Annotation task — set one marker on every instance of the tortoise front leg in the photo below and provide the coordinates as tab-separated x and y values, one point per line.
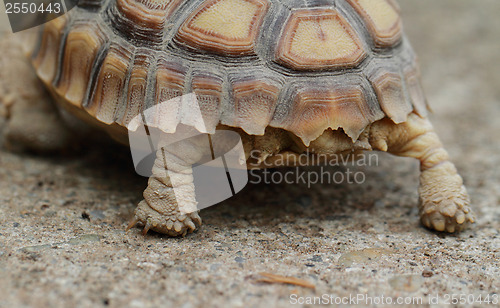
444	202
169	204
35	125
32	121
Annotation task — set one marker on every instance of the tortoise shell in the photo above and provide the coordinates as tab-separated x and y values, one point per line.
303	66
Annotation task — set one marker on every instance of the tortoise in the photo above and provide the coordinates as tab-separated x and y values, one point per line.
326	76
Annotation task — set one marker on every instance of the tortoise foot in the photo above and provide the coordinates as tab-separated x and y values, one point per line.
172	225
444	202
160	210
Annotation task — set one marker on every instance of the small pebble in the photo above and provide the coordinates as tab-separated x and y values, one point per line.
85	215
98	214
316	258
50	214
86	238
35	248
362	256
408	283
239	259
427	273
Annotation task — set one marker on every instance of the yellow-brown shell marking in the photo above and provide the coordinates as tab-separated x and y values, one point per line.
108	98
208	91
382	19
227	27
45	60
82	45
137	84
318	39
316	108
254	104
389	89
170	80
143	19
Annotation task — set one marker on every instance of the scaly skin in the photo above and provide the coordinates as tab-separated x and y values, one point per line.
444	202
164	210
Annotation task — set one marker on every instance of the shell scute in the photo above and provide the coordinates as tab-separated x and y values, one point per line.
255	99
143	20
170	80
137	87
415	91
208	89
334	104
227	27
389	88
382	20
319	39
45	59
80	51
108	100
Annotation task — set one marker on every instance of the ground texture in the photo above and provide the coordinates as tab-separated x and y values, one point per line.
62	219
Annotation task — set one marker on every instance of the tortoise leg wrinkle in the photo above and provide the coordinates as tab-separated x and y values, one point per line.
444	202
169	204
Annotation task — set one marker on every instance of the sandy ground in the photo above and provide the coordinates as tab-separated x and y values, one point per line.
62	219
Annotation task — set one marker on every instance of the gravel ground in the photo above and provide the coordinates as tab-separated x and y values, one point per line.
62	219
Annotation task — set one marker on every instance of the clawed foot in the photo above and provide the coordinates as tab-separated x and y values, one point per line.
444	203
169	204
173	225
